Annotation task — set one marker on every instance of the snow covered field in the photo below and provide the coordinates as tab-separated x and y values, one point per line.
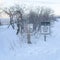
12	47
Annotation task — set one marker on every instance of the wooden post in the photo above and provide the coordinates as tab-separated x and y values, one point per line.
44	37
28	38
28	35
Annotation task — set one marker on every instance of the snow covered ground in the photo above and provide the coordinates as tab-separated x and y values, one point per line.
13	47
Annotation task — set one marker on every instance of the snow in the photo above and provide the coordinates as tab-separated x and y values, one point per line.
15	47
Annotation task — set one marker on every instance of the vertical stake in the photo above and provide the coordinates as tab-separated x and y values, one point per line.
44	37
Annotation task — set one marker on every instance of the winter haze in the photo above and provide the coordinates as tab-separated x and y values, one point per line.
30	34
54	4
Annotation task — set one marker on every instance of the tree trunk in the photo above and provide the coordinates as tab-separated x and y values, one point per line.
28	35
28	38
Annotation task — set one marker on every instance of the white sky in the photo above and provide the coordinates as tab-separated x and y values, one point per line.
54	4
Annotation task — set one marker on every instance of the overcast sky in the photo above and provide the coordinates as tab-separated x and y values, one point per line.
54	4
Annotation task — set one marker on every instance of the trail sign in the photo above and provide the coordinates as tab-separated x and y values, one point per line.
45	28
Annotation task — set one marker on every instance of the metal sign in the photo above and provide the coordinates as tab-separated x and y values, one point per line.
28	27
45	30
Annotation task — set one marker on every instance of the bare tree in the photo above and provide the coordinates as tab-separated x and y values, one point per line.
10	13
33	18
45	15
0	23
0	16
18	13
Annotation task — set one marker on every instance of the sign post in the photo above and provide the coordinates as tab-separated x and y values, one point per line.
28	30
44	37
45	29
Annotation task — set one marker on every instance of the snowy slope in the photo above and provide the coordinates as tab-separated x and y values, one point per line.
13	47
